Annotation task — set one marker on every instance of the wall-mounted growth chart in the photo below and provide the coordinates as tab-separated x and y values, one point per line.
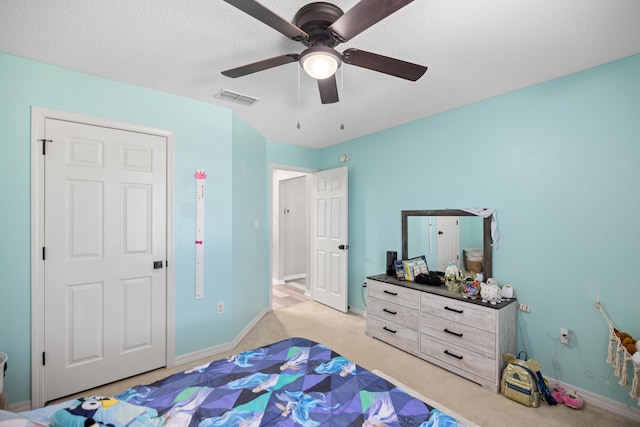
199	285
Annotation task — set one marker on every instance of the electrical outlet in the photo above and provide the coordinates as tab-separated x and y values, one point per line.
524	307
220	307
565	336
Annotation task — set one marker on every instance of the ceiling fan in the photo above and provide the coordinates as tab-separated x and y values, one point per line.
321	26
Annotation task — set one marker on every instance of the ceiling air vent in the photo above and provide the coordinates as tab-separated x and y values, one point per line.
238	98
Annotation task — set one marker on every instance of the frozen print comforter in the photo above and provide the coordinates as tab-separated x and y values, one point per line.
294	382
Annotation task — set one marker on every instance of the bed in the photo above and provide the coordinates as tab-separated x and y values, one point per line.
294	382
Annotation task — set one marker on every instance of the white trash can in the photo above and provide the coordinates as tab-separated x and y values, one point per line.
3	367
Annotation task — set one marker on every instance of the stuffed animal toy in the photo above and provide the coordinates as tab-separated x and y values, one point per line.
99	411
627	341
623	349
628	351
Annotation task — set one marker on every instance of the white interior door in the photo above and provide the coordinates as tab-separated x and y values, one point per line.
105	219
329	234
447	241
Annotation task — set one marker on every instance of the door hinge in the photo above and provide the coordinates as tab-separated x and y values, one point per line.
43	257
44	145
44	360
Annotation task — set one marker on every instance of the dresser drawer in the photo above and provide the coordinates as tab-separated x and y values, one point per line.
459	334
394	293
397	313
459	311
460	357
393	333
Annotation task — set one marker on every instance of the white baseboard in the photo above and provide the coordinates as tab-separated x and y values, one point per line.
601	401
20	407
221	348
357	311
204	353
295	276
298	286
250	326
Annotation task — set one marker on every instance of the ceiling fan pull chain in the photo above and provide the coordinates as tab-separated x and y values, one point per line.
298	126
342	94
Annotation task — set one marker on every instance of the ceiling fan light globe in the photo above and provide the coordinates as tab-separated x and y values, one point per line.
321	64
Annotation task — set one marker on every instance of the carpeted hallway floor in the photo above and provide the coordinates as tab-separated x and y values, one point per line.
345	333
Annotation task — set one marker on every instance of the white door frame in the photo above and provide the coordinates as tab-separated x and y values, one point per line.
274	225
38	116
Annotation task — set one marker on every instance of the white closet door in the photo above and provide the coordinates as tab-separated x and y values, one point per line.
105	225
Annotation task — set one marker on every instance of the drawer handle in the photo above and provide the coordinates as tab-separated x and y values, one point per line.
453	333
389	330
391	293
453	309
452	355
389	311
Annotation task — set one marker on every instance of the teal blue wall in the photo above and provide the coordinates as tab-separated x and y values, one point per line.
560	162
249	263
279	154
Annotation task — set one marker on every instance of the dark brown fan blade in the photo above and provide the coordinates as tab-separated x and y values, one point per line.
265	64
363	15
383	64
266	16
328	90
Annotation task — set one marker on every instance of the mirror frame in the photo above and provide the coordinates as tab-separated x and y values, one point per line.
487	262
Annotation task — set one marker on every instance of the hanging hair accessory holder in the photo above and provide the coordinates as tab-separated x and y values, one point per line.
621	356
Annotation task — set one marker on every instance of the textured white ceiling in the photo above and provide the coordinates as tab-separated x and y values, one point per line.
475	49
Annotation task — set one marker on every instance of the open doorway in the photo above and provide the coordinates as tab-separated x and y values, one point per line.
290	237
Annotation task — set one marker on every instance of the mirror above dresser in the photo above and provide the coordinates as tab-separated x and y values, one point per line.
425	232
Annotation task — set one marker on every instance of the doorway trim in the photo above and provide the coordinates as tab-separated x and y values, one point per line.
273	250
38	116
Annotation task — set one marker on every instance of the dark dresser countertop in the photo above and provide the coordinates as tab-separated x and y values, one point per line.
439	290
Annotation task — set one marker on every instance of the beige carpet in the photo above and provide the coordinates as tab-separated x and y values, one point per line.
345	333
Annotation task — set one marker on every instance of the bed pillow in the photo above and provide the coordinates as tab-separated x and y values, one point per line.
105	411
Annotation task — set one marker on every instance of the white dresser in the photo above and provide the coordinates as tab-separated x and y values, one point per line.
467	337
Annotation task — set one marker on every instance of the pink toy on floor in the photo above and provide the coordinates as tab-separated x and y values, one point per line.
570	399
558	393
